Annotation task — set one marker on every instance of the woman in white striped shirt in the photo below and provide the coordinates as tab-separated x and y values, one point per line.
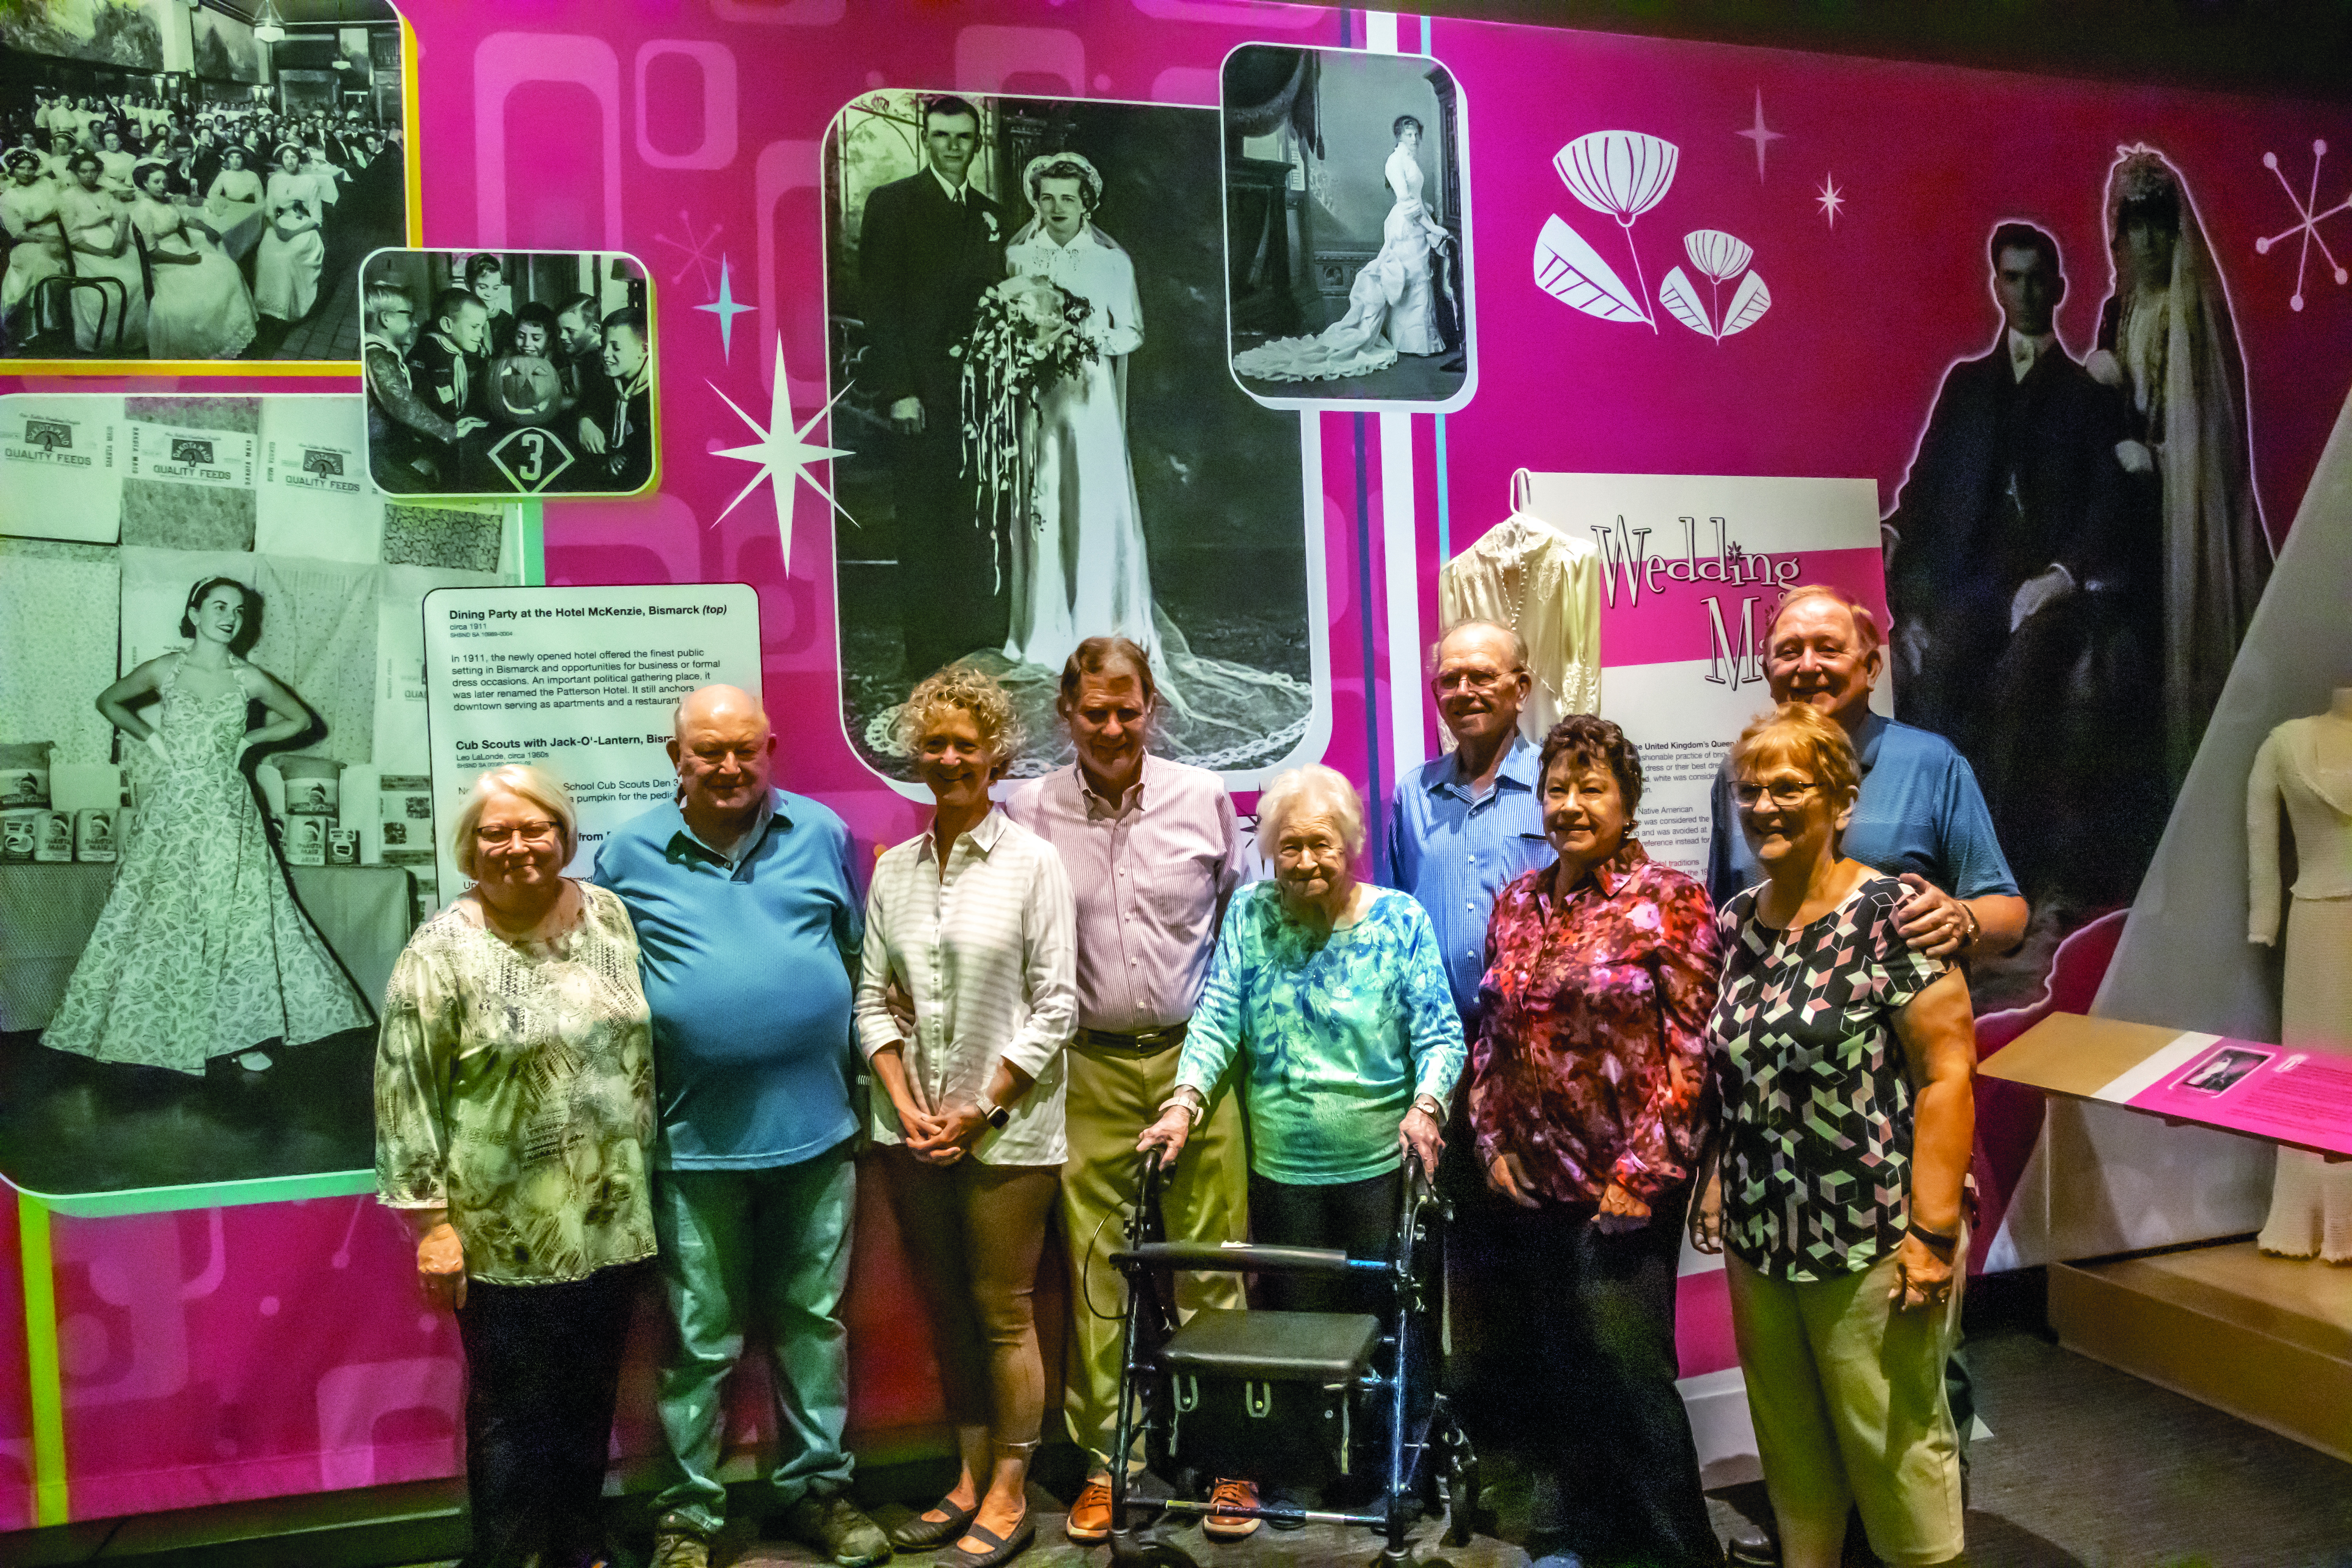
973	920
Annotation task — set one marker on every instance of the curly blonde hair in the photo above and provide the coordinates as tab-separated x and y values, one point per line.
976	692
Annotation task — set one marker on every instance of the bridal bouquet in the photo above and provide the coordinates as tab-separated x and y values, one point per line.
1026	335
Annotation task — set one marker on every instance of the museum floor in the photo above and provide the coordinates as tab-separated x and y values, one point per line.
2083	1468
2086	1468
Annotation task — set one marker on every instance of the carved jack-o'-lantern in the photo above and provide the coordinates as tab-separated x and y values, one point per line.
526	388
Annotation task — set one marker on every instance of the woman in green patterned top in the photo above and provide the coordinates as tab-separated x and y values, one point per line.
514	1110
1331	991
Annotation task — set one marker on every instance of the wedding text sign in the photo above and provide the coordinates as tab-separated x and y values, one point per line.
1692	568
2284	1093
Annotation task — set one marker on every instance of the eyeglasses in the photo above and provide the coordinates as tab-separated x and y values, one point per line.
1784	795
531	834
1455	681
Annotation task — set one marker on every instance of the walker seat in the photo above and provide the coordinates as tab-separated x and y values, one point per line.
1271	1396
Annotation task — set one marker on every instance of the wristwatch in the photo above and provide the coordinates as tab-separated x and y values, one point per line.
1428	1106
995	1115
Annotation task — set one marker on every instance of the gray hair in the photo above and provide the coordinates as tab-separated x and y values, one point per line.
524	781
1518	643
1312	787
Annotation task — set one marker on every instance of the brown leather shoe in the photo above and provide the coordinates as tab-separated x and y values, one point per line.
1090	1520
1226	1526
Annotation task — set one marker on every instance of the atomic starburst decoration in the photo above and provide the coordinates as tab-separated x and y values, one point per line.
2306	208
699	253
725	310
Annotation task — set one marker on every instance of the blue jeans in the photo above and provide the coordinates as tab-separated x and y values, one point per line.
770	1247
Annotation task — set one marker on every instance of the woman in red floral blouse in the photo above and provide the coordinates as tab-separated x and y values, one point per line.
1587	1082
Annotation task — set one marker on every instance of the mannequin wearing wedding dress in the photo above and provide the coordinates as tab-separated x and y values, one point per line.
1389	310
2308	764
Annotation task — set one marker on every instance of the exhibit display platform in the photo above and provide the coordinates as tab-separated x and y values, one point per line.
2300	1098
2267	1338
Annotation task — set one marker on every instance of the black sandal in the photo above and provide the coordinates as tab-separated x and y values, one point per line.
918	1532
1001	1548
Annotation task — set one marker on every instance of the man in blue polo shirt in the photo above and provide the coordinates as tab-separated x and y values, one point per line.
748	926
1468	822
1920	815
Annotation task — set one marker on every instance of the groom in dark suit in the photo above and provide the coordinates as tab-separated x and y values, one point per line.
2025	598
931	246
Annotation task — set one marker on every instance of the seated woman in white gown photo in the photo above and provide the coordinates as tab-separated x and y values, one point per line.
1389	311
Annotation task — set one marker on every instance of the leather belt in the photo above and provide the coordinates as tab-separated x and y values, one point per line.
1147	1042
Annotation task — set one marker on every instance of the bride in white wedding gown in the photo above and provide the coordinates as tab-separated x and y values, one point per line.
1389	305
1079	567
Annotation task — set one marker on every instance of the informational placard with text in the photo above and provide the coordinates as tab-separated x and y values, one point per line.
581	680
1692	567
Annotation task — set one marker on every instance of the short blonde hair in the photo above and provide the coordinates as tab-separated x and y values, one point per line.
1802	734
976	692
524	781
1313	788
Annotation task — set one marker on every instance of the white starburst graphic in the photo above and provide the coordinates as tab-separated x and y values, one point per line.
2304	209
1830	200
782	453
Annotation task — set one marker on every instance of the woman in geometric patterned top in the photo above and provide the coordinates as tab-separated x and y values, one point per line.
1844	1061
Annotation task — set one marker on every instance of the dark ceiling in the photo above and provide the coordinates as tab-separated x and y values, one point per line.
2296	49
301	13
2300	48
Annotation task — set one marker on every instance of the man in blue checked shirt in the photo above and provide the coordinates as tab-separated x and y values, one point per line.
1469	822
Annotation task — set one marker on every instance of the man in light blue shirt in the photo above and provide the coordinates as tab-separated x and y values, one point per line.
747	923
1468	822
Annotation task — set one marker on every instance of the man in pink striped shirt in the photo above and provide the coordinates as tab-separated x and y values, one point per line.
1153	850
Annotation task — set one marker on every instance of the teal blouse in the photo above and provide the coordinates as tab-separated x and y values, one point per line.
1338	1034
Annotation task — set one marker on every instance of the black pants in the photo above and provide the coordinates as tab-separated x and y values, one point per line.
1359	1218
1594	1313
951	578
543	1366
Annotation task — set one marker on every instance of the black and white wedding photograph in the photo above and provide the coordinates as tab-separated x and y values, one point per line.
196	182
213	740
508	373
1347	280
1026	339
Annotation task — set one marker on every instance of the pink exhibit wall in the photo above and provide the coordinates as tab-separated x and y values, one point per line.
229	1352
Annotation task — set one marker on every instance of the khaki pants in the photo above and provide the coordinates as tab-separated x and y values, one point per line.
1847	1395
1113	1096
